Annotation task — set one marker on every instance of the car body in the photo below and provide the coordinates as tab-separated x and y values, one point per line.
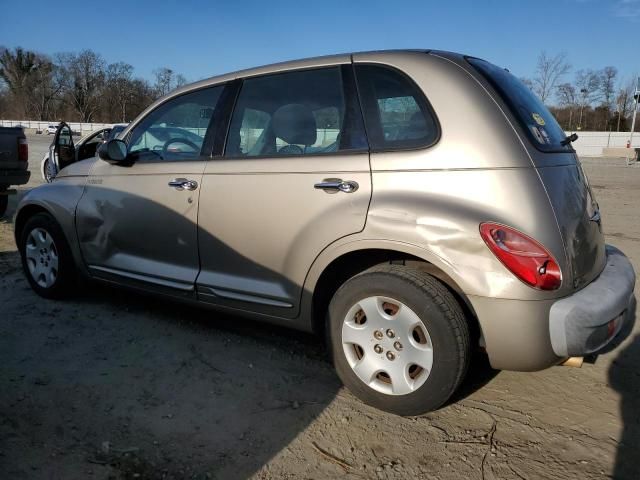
86	147
412	205
51	129
14	162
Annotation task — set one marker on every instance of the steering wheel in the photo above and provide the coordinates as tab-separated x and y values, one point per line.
165	148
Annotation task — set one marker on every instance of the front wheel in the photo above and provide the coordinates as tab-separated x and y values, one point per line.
49	175
46	257
399	339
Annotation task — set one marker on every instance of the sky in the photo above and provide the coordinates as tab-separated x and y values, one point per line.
200	39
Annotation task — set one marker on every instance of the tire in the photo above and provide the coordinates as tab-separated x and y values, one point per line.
425	316
4	202
46	257
47	172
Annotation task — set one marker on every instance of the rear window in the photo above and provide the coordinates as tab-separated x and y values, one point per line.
540	125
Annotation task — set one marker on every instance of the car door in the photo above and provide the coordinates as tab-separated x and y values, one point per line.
62	150
138	223
293	179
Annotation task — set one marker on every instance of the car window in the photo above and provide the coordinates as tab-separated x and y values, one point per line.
397	114
537	121
175	130
295	113
96	137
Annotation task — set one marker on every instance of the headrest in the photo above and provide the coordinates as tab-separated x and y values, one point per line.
295	123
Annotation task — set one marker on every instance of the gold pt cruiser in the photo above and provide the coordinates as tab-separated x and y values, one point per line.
411	206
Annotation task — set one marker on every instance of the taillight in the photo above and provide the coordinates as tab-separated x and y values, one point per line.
23	150
526	258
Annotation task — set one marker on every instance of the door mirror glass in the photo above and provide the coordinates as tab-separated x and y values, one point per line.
114	151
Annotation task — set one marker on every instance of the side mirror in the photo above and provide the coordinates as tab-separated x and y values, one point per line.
114	152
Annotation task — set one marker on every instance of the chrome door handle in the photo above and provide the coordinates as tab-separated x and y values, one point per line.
183	184
335	185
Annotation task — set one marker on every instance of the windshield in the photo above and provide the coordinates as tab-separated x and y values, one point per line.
541	126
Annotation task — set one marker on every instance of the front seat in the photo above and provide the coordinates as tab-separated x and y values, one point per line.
296	125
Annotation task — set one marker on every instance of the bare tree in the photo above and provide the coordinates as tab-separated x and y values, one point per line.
167	80
45	85
119	81
568	98
85	77
16	67
608	90
549	71
625	102
588	85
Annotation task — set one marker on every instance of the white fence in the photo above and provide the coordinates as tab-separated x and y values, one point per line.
590	144
35	125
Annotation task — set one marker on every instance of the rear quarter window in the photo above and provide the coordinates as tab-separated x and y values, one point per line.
397	114
536	120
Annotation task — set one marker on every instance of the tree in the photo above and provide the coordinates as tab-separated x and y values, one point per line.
625	103
119	86
549	71
45	85
608	90
568	99
167	80
588	86
85	78
15	69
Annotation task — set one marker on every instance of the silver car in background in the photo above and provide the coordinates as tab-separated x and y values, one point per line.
413	207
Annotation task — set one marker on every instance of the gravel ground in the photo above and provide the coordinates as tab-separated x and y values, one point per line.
118	385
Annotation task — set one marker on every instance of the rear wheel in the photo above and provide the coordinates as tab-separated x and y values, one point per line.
399	339
46	257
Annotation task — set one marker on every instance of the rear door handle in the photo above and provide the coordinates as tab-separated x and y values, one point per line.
183	184
335	185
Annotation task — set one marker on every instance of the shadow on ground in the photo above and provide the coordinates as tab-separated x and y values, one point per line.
624	377
121	384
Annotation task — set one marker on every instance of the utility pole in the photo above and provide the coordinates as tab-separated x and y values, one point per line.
636	96
583	91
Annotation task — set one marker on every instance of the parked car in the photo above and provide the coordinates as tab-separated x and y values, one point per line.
85	148
51	129
14	162
449	214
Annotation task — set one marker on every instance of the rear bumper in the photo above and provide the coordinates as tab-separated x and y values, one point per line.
588	320
533	335
14	177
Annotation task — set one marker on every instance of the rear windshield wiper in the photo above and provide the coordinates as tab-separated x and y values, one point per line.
570	139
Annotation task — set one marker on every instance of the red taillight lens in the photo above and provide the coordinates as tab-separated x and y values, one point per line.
23	150
522	255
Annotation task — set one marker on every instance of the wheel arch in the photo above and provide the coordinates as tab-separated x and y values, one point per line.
64	217
351	259
23	215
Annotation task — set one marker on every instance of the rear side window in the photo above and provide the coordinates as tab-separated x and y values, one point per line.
295	113
539	124
396	111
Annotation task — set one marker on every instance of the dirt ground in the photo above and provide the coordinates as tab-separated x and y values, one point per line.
122	386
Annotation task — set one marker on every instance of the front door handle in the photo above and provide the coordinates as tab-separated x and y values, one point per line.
335	185
183	184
